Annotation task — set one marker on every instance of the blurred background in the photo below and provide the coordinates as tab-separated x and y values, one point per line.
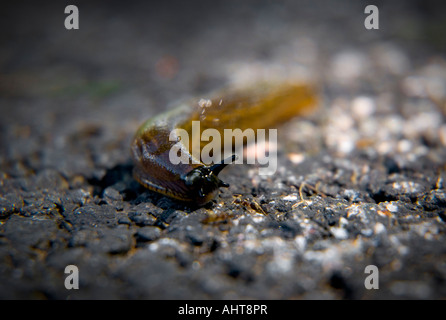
130	61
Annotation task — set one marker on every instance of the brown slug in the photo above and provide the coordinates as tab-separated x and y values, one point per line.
262	106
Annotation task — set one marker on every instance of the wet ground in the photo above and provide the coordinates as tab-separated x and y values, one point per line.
359	182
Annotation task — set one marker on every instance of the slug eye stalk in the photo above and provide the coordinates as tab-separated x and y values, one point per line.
216	168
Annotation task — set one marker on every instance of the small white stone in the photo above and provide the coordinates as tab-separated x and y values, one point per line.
363	107
296	158
367	232
339	233
347	66
379	228
404	146
290	197
392	207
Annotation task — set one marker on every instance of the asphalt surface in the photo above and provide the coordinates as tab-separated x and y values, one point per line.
359	182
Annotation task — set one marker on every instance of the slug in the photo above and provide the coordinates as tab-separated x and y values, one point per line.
261	106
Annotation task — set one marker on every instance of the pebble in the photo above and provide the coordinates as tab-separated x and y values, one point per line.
111	194
339	233
142	219
146	234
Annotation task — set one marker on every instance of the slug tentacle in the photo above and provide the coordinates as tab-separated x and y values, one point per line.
216	168
261	107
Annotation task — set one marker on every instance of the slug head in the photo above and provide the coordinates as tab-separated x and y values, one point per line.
204	182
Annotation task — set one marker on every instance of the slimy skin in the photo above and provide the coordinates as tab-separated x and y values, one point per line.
262	106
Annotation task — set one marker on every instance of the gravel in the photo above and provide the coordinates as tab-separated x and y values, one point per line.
359	182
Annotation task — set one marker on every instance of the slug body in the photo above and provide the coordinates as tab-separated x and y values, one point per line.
260	107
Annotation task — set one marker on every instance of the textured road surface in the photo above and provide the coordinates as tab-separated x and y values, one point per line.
360	182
